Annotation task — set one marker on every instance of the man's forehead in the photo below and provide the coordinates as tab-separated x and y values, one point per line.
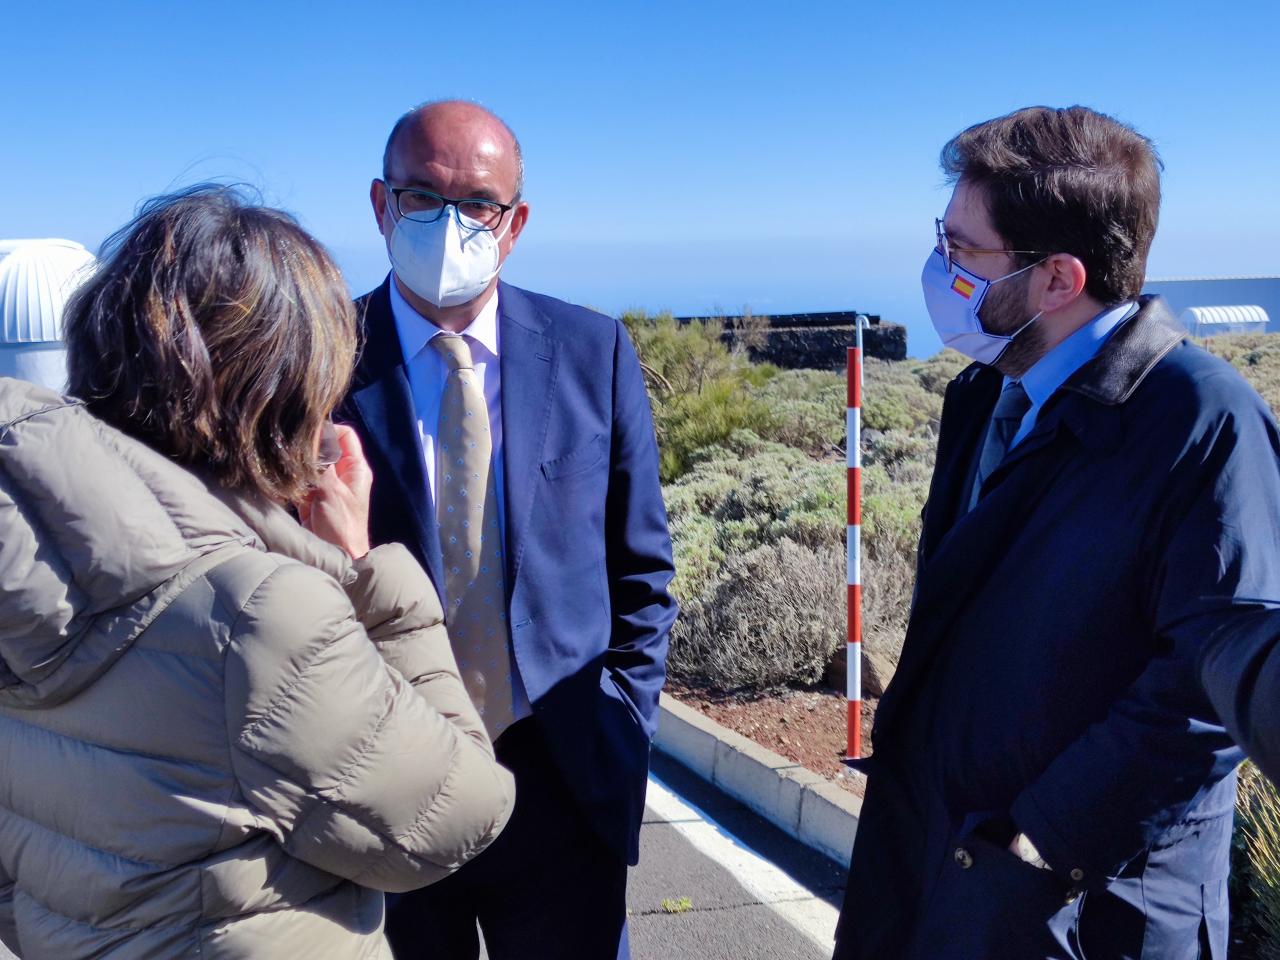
455	138
967	220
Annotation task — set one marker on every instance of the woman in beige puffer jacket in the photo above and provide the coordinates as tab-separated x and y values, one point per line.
220	736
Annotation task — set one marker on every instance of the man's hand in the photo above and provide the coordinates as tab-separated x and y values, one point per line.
337	509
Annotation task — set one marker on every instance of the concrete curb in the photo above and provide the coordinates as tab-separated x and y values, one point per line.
803	804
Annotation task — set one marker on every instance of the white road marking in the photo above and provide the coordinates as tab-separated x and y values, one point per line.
798	905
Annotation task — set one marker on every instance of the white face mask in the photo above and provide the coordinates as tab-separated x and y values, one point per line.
953	300
446	262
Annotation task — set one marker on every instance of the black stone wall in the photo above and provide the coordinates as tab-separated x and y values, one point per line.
810	340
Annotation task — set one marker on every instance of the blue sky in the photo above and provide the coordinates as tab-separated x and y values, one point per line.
690	156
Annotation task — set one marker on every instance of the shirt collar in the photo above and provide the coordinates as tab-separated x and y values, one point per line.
415	330
1054	369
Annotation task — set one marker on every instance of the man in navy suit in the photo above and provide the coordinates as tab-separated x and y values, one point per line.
1050	779
560	617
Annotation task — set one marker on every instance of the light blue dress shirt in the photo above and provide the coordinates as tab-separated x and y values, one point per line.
1056	367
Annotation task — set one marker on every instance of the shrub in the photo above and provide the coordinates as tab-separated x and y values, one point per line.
774	618
689	422
894	399
1257	356
939	370
751	493
744	494
683	358
699	389
1255	865
808	410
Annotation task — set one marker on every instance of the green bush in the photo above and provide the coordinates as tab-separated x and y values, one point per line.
690	422
807	409
939	370
1257	356
700	390
893	398
681	358
746	493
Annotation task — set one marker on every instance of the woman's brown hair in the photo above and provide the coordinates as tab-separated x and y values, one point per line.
218	332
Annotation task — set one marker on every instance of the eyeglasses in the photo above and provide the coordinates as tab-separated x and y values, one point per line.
946	248
423	206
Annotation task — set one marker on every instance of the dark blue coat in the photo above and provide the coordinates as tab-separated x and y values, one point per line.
588	553
1050	670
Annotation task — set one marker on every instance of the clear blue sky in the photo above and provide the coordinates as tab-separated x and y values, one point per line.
689	156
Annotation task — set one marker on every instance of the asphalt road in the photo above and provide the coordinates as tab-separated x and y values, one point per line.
752	891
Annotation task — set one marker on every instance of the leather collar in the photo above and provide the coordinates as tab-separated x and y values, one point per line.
1129	354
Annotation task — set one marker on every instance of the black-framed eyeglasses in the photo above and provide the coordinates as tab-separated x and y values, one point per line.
423	206
946	248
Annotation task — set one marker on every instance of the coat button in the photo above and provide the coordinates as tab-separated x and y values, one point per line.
1077	874
964	858
1073	896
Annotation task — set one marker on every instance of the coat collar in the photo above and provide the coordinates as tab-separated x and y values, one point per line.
1129	355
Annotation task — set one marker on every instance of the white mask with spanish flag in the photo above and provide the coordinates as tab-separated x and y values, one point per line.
953	299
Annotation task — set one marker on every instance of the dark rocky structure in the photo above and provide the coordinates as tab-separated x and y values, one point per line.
810	340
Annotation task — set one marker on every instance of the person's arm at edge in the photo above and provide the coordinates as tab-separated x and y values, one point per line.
1240	670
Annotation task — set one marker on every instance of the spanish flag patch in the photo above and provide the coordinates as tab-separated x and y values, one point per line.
963	287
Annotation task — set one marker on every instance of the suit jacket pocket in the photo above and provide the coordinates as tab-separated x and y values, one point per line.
990	905
576	461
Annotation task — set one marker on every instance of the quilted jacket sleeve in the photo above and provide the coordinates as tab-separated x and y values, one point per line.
358	773
398	606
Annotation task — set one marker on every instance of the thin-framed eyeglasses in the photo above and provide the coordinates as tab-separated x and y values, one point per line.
423	206
946	248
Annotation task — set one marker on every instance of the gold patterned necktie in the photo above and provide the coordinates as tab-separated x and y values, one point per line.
470	538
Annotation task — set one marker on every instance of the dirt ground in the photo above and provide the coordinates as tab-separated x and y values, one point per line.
805	726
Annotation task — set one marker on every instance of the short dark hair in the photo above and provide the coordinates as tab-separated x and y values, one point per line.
410	115
1068	180
218	332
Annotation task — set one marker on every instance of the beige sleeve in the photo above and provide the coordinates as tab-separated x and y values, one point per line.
401	611
362	775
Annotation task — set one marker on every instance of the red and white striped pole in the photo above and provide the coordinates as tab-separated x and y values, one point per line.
853	444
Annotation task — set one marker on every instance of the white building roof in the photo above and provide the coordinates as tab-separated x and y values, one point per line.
36	279
1231	316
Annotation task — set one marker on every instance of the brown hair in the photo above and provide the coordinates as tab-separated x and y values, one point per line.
1068	180
218	332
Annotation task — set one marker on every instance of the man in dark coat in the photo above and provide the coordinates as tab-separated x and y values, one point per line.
1049	778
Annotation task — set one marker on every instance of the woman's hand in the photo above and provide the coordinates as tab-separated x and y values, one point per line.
337	509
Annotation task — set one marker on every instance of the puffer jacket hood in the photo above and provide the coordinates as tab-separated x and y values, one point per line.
220	737
79	542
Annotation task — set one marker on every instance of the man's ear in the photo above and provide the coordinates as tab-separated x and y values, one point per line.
378	198
1066	279
519	217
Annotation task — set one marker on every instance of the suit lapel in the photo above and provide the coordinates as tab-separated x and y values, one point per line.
528	365
383	399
